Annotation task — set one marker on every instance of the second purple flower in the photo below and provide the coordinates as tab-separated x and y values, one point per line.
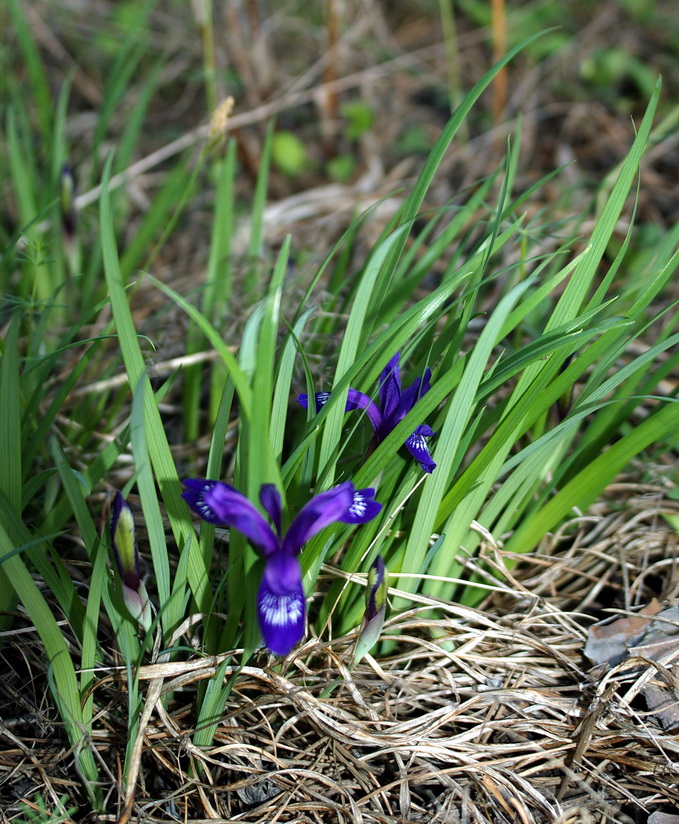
280	602
395	403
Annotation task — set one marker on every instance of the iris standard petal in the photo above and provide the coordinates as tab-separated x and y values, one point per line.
415	391
321	510
363	507
221	504
270	498
417	446
390	388
280	603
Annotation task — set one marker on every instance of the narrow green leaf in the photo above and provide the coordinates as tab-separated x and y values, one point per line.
10	420
457	417
66	692
159	450
584	488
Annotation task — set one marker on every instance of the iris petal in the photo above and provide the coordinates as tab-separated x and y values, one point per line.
417	389
390	388
271	501
417	446
221	504
358	400
363	507
321	510
280	603
320	398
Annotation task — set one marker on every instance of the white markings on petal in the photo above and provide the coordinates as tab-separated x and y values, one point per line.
202	507
417	442
358	506
279	611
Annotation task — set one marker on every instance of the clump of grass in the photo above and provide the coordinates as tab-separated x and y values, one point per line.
539	398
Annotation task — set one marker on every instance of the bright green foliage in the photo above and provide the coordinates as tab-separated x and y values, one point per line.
40	813
289	153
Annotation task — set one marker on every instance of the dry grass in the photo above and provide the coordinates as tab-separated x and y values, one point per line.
488	715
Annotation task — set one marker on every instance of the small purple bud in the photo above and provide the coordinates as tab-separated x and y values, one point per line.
67	186
127	562
375	609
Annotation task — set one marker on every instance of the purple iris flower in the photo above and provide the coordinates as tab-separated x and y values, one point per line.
280	601
395	403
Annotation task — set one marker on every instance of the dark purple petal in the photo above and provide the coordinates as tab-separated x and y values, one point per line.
321	510
363	508
357	400
320	397
221	504
417	446
424	430
280	603
390	388
415	391
271	501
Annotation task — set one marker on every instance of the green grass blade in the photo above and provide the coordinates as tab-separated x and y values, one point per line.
584	488
263	467
350	346
256	243
37	79
169	611
589	260
98	589
283	388
10	420
234	370
458	414
158	447
66	692
10	443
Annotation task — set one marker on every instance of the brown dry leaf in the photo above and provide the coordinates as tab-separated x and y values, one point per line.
609	641
653	639
661	645
663	818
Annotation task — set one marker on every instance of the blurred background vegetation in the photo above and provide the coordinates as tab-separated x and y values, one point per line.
360	89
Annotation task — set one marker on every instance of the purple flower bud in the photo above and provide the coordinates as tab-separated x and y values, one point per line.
376	591
375	609
67	186
126	557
